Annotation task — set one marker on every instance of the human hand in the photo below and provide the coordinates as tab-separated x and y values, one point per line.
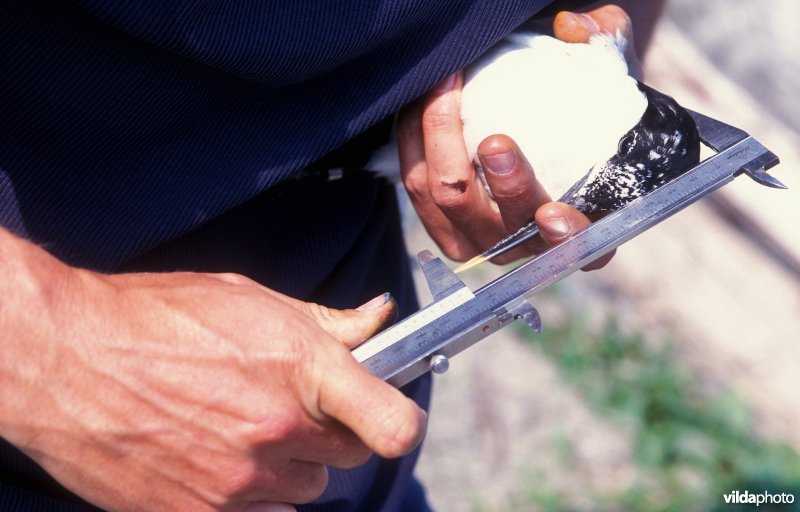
458	212
461	216
201	392
579	27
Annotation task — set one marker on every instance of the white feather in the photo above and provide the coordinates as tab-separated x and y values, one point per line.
566	105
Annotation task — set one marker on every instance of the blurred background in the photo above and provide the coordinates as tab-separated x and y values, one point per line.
672	376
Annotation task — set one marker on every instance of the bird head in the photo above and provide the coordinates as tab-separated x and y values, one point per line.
661	146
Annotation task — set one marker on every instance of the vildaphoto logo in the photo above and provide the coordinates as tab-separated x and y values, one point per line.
762	498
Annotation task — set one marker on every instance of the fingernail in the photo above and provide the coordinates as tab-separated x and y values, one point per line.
375	303
445	85
500	163
589	23
557	227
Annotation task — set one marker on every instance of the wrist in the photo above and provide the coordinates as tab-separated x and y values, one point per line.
33	285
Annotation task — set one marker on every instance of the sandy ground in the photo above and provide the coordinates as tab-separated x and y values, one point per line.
500	413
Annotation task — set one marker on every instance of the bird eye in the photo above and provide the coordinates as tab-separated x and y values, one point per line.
626	144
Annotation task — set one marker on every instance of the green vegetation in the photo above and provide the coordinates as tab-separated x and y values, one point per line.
691	445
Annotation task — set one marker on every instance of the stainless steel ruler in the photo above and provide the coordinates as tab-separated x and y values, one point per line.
458	318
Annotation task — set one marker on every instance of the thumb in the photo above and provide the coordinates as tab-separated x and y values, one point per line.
351	326
387	422
559	221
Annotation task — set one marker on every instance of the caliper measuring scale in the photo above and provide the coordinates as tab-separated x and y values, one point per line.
458	318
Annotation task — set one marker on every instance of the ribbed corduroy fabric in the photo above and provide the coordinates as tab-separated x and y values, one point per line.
124	124
149	135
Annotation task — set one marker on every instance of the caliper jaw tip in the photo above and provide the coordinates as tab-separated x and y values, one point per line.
720	136
759	174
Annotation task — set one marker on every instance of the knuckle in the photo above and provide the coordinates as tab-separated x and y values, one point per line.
321	313
278	428
450	198
233	278
439	118
514	193
416	185
242	478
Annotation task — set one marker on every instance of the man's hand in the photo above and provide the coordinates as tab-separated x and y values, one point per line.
461	216
574	27
192	392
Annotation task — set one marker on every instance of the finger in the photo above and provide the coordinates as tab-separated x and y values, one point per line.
388	422
270	507
344	450
559	221
573	27
414	173
329	443
514	188
600	262
579	27
353	326
350	326
610	18
512	181
294	482
319	439
454	185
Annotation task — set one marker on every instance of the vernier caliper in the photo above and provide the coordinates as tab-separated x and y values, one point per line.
458	318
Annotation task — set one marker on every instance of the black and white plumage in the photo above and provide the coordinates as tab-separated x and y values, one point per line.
595	136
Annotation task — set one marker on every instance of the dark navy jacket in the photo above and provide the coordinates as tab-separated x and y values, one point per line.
151	135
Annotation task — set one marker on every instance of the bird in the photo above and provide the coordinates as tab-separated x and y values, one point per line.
592	132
